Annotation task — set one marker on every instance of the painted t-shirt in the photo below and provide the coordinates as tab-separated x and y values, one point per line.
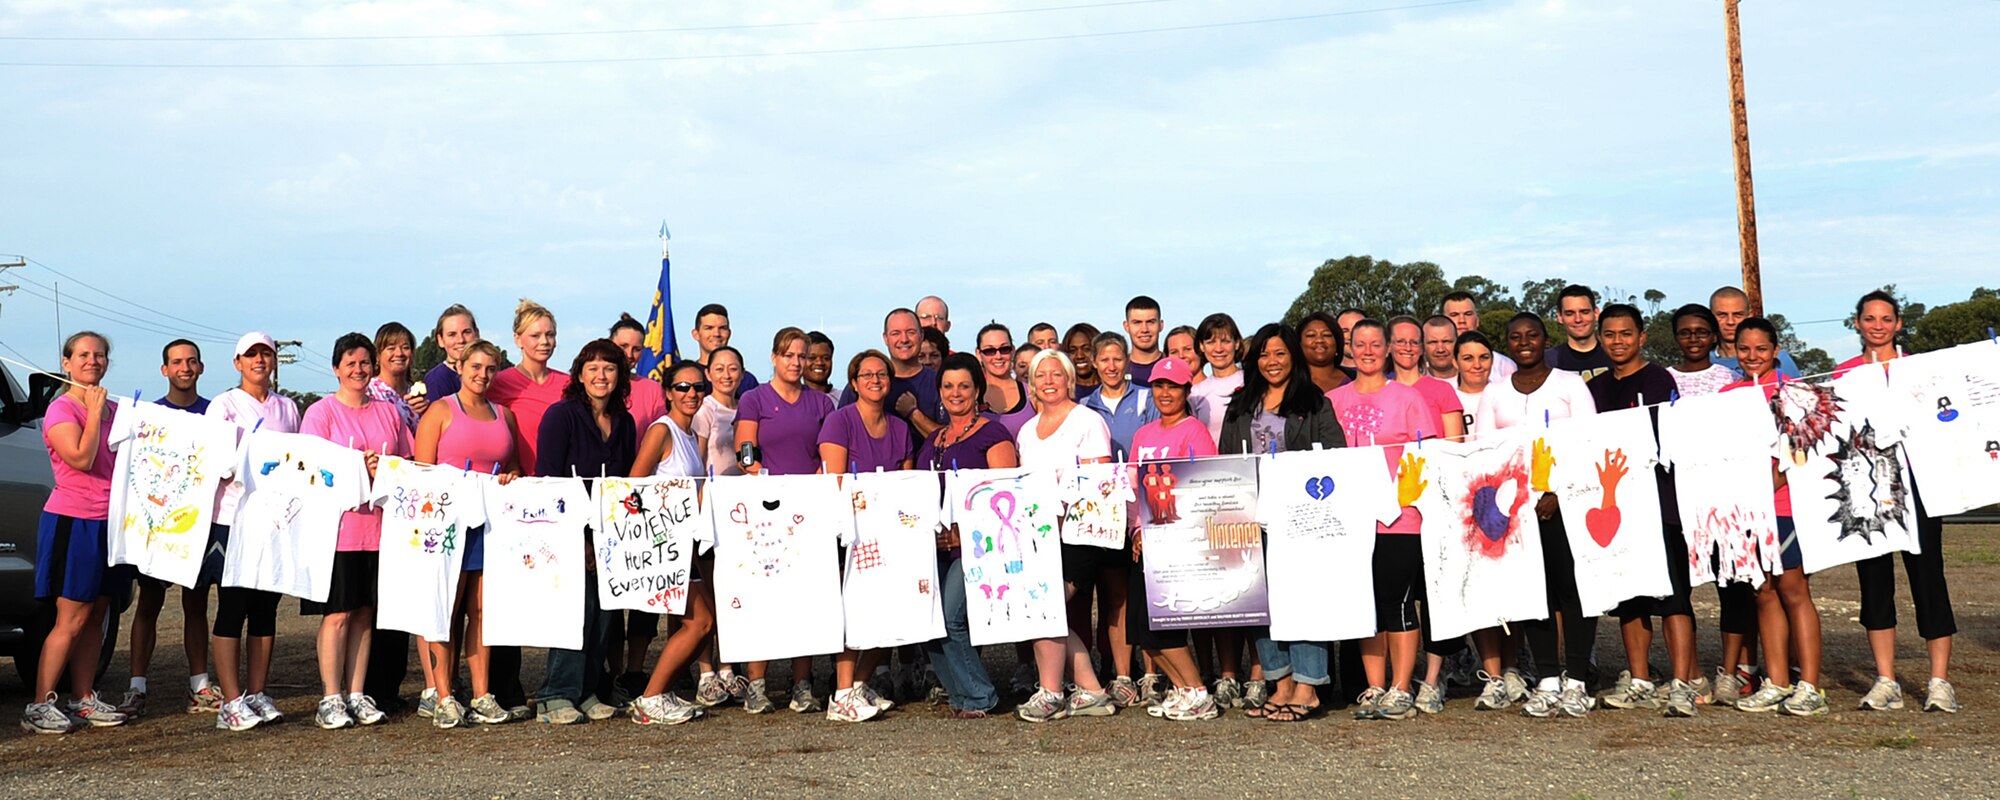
529	401
1949	401
297	490
1651	387
168	465
716	423
889	593
80	494
1320	510
787	433
1707	381
1611	507
866	453
426	514
1081	436
1186	439
275	413
535	560
375	426
1390	416
1782	496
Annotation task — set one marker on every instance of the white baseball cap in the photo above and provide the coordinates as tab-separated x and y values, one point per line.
252	339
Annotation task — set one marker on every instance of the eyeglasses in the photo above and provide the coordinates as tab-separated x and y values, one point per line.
684	386
996	351
872	376
931	317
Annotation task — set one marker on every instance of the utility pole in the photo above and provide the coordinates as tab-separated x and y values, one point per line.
9	288
284	358
1746	201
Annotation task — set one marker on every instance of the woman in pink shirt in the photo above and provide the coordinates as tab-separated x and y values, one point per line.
352	418
70	546
528	389
1175	435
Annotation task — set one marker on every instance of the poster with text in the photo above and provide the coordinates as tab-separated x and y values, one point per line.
646	532
1203	549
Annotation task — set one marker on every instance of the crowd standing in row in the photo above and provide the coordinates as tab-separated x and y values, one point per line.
1086	396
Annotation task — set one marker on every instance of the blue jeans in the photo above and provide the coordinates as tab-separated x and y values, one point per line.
575	673
956	661
1305	662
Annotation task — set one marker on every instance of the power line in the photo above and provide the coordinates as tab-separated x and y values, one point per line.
231	334
120	316
763	54
615	32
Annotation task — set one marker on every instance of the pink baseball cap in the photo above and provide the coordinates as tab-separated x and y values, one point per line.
1173	370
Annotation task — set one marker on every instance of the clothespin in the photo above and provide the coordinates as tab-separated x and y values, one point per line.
135	396
954	466
496	467
1673	396
878	469
260	424
468	466
1991	335
600	469
1274	447
572	471
1420	438
1545	417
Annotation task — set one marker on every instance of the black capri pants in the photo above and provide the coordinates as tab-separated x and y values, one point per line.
1928	591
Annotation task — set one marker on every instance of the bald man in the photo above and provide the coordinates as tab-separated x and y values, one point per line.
933	313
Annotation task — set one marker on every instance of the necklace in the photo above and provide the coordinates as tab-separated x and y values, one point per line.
944	446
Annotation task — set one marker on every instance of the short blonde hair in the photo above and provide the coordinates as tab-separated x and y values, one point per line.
1058	356
527	312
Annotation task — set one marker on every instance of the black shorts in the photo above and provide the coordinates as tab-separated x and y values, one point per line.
1138	626
353	584
1399	581
211	564
1082	564
1677	604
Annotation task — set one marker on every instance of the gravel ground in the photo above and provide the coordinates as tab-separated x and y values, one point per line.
910	751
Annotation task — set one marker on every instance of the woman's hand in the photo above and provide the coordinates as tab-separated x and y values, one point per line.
1545	508
93	400
418	404
507	477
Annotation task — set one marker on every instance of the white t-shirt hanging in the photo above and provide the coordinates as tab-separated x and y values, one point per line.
163	487
1949	401
1610	504
295	488
1850	487
890	595
1319	509
1482	548
1095	508
534	584
1729	519
777	564
426	514
1011	554
647	529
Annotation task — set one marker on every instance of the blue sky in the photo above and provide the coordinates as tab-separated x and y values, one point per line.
1211	168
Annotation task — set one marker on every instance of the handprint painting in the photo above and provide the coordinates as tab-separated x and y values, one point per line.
1602	474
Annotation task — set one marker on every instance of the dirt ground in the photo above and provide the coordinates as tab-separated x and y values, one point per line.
911	752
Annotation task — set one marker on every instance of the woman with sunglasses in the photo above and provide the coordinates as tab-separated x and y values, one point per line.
1004	396
669	450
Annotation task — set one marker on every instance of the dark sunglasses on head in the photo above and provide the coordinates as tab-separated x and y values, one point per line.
684	386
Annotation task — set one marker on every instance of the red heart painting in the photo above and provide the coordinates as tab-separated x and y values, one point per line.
1603	524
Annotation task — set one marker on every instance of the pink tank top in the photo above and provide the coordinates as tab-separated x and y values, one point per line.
486	444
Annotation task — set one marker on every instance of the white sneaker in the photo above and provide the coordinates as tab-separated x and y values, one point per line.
97	713
363	708
332	714
875	698
236	715
1885	695
1545	700
261	705
1767	698
1173	699
1940	696
1195	705
45	717
803	701
851	706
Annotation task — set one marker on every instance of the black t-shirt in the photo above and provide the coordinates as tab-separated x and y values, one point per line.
1588	364
1651	386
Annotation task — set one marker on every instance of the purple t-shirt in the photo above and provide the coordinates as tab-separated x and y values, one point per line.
968	454
787	433
1390	416
866	453
79	494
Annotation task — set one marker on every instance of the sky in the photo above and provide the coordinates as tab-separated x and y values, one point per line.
311	168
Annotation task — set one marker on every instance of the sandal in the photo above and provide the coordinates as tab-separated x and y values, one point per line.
1294	712
1263	711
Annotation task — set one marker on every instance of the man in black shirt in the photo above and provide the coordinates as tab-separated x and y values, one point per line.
1576	309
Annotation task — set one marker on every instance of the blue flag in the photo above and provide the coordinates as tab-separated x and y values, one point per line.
661	348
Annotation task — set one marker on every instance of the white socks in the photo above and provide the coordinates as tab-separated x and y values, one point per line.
196	683
139	684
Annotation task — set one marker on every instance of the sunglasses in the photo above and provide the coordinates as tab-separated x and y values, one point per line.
684	386
995	351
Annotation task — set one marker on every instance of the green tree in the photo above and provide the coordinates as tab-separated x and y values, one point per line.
303	399
1381	288
1957	323
429	354
1811	360
1489	294
1540	296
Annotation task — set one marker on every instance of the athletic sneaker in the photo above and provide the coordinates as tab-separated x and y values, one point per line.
1396	704
803	700
875	698
1575	699
853	706
1729	688
236	715
1429	699
266	710
1636	693
1885	695
1939	696
597	709
1173	699
1255	694
364	710
1125	692
1807	700
1196	705
206	700
1086	703
1681	699
1043	706
45	717
1545	700
1495	696
1517	683
449	714
97	713
1622	684
427	703
332	714
1459	669
561	712
520	713
1151	692
134	703
755	700
1766	698
1023	679
711	692
663	709
1228	693
486	710
1703	690
738	686
1367	706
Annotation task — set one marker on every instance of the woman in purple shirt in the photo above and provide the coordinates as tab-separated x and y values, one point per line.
968	440
777	432
862	437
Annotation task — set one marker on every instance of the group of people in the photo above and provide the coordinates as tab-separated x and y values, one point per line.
1147	393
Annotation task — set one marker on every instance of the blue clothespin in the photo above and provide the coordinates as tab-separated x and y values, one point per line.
135	397
260	424
1274	447
1420	438
1990	334
468	466
1673	396
954	466
1545	417
496	467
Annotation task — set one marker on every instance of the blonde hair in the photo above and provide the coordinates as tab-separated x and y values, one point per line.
527	312
784	339
487	349
1058	356
69	344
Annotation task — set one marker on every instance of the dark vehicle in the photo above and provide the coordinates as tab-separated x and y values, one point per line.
25	482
